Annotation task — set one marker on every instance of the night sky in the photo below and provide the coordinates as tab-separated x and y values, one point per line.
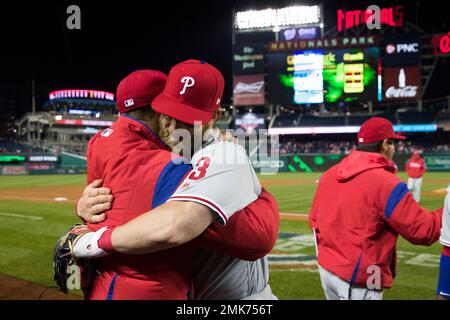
117	37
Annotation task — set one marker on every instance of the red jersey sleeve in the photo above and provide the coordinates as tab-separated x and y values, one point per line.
249	235
405	216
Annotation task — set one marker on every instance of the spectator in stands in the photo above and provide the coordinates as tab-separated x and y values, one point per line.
345	147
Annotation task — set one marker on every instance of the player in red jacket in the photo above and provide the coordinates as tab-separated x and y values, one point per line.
137	166
359	209
415	168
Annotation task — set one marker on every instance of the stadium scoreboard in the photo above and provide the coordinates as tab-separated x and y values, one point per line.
323	75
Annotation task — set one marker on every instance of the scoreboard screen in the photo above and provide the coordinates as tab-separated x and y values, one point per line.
318	76
351	75
308	80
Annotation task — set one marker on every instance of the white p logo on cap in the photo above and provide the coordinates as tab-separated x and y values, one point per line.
188	83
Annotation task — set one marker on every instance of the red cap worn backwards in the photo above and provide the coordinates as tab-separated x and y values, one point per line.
192	93
139	88
377	129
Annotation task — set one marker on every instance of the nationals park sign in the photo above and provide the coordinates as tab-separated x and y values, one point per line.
324	43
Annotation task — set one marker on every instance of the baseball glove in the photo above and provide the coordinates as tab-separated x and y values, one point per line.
63	258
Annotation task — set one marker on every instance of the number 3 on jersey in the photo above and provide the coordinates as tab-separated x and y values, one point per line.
200	168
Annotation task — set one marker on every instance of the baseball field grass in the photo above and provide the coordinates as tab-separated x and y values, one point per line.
31	221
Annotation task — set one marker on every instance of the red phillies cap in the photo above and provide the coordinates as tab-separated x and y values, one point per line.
192	93
377	129
139	88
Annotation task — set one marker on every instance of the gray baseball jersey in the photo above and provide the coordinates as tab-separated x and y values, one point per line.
445	231
220	277
222	179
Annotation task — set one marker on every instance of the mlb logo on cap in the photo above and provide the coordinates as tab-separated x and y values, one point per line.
192	93
129	103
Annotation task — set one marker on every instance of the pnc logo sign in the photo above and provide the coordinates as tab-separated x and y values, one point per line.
402	48
390	49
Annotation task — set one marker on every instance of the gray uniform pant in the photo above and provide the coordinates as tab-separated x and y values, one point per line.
337	289
266	294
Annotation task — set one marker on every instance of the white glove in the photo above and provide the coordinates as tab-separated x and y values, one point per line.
87	245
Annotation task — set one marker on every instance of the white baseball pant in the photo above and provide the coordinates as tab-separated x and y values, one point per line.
415	186
337	289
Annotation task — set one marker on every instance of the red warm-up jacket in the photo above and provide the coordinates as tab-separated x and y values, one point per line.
416	167
138	168
359	209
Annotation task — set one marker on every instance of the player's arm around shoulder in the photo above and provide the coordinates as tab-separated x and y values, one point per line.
164	227
200	199
167	226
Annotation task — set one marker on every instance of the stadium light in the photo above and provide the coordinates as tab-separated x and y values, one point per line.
256	19
275	18
81	93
